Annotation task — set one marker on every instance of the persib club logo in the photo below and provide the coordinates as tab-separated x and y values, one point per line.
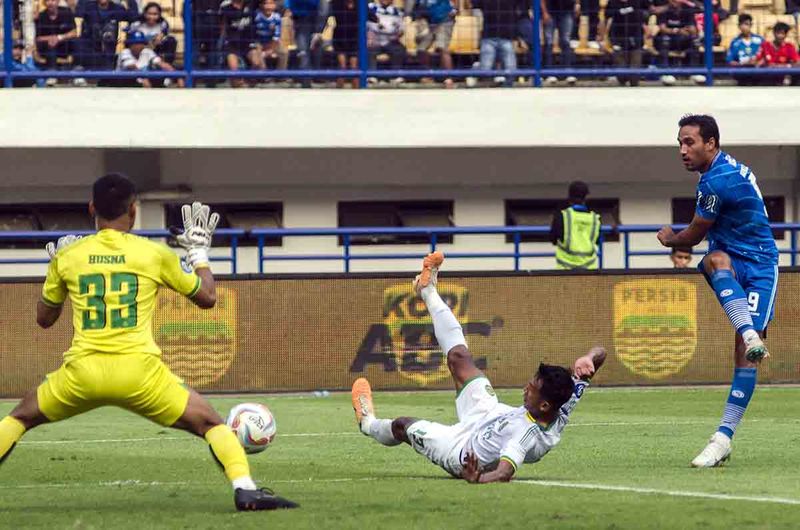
405	342
655	325
198	346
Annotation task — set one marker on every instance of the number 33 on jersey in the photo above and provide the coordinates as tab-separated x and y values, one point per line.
112	279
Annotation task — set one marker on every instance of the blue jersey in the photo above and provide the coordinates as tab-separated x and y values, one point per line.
745	51
728	194
268	28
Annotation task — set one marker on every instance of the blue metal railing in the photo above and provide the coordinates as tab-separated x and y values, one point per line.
434	234
190	74
628	253
233	233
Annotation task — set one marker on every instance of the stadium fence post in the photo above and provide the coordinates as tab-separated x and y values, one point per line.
8	45
188	46
536	49
708	41
260	253
346	244
627	248
600	241
234	253
517	238
363	60
793	245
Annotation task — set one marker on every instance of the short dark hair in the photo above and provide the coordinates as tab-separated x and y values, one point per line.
781	26
578	190
688	250
557	384
707	125
744	17
112	195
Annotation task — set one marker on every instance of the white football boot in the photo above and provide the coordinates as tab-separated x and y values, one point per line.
715	453
756	349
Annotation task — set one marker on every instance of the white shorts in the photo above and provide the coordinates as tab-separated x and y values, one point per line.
444	444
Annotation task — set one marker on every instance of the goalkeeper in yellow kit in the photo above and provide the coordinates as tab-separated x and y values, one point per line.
111	279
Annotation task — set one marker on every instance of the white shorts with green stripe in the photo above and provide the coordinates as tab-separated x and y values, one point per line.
443	445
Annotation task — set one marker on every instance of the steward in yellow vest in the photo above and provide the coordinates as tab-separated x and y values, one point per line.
575	231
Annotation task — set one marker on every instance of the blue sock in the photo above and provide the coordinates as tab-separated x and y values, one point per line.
732	299
744	382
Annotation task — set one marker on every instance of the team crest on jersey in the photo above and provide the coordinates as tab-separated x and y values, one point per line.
405	342
198	346
655	325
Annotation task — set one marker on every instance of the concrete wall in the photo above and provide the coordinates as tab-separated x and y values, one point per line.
310	149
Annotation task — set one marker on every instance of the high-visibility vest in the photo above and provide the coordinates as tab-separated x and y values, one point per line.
577	247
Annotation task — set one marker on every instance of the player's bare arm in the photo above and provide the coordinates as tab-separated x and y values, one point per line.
689	236
472	473
47	315
206	297
587	365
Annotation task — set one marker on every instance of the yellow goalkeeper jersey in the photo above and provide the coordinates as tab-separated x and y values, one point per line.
112	279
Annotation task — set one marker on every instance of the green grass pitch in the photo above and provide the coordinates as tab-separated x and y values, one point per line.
622	463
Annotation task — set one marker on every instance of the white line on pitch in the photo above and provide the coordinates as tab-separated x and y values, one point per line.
653	491
547	483
157	483
170	438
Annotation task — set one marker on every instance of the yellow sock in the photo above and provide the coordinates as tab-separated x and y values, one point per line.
229	452
11	430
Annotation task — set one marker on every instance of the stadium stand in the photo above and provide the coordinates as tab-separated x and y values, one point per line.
589	43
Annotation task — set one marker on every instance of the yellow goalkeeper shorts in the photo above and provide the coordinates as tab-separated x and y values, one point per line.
138	382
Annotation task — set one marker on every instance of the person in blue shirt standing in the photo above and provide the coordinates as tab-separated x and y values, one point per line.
744	49
434	20
741	264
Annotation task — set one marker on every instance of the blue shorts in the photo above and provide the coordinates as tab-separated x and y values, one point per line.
760	284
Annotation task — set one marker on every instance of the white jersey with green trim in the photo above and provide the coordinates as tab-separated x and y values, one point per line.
513	435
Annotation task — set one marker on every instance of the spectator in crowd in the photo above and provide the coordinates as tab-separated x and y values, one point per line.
139	57
155	28
100	30
559	15
778	54
55	31
238	35
308	19
345	37
681	257
434	21
744	50
206	30
22	63
268	32
500	23
591	9
575	231
676	33
384	30
625	22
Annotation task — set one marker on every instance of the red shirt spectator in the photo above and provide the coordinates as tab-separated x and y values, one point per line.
779	52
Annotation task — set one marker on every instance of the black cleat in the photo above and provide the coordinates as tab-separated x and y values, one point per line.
261	499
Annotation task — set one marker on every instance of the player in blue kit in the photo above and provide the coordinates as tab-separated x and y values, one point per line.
741	264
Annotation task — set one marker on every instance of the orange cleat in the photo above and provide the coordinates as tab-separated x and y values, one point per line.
362	399
430	270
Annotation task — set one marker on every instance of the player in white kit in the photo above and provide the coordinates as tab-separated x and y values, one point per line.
491	439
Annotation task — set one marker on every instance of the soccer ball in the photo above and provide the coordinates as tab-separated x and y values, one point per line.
254	426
